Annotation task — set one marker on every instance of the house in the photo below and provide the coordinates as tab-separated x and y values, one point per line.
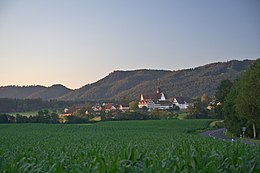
165	105
110	107
95	109
123	107
69	111
154	101
182	102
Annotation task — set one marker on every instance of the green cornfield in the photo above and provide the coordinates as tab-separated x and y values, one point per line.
121	146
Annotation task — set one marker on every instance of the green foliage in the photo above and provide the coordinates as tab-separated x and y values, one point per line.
233	122
125	146
5	118
76	119
242	106
204	100
197	109
222	90
133	105
8	105
220	96
248	98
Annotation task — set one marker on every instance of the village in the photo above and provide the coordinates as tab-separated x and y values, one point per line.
147	103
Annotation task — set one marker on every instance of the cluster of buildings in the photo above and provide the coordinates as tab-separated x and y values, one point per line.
149	102
158	100
96	109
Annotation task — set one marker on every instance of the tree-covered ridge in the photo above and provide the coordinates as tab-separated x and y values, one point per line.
32	92
189	82
119	85
8	105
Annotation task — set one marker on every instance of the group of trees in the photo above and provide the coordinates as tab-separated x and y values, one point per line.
8	105
242	104
43	116
239	102
80	116
155	114
198	109
86	115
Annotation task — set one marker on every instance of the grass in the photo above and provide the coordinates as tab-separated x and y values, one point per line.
121	146
216	124
251	140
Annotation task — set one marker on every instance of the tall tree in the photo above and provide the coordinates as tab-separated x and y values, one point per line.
204	100
232	121
196	109
133	105
248	98
223	90
220	96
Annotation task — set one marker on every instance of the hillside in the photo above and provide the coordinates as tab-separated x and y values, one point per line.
130	84
30	92
188	82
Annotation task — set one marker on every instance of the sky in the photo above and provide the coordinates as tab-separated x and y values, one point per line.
77	42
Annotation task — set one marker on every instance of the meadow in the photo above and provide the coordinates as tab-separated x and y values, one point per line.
121	146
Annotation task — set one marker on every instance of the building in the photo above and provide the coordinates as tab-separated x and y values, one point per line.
182	102
155	100
124	107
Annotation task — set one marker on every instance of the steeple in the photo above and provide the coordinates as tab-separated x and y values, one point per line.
142	97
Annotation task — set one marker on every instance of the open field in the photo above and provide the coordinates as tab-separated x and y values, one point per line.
122	146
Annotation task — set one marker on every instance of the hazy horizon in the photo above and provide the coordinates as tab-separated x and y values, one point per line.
75	43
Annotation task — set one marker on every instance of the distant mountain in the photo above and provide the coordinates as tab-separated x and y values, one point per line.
189	82
30	92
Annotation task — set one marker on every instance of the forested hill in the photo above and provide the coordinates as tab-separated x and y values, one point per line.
189	82
30	92
130	84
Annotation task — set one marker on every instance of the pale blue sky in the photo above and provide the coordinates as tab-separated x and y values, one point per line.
78	42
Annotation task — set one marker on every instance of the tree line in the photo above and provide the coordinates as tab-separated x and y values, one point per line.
43	116
52	117
8	105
